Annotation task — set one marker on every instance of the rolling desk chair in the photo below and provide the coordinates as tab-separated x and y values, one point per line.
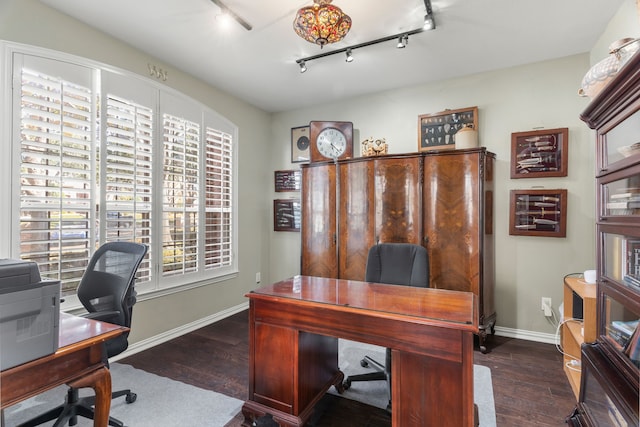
395	264
107	292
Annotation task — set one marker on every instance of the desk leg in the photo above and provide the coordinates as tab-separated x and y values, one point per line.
100	381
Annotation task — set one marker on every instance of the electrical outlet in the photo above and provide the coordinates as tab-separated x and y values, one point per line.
545	306
258	277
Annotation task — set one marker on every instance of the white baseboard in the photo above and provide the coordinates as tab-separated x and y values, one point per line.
526	335
175	333
190	327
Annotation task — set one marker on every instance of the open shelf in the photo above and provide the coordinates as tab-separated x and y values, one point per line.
579	304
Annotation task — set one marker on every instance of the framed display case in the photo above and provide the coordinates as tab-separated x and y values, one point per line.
539	153
436	130
538	213
287	180
286	215
300	144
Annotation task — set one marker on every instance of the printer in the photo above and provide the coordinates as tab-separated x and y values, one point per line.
29	313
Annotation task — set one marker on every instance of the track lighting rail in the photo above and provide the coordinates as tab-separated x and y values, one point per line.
402	39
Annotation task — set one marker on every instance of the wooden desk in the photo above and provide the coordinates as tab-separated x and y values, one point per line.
77	363
293	347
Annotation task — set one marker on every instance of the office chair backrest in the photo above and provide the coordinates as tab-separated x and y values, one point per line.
398	264
107	287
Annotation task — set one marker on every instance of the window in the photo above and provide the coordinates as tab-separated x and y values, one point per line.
105	156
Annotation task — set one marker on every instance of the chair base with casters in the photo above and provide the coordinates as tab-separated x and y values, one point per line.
381	373
75	406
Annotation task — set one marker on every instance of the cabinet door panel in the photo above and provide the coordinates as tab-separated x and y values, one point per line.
398	208
318	232
451	220
356	228
272	380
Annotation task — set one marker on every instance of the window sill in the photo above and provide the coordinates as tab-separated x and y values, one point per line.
72	304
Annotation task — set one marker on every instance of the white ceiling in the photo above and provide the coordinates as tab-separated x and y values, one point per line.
259	66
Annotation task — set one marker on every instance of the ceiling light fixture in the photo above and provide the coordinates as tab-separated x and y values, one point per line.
321	23
349	56
404	37
226	11
401	38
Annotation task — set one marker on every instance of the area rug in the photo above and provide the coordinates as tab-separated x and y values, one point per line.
374	393
161	402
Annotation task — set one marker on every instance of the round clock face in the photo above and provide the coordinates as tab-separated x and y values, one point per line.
331	143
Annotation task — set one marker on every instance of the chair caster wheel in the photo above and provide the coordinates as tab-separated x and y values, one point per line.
364	363
346	384
131	397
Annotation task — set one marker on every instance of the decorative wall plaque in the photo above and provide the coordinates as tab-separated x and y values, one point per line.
538	213
300	144
287	180
286	215
436	131
539	153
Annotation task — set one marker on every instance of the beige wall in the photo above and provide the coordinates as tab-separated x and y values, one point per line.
510	100
30	22
625	23
540	95
518	99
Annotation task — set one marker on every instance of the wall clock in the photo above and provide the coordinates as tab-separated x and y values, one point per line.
330	140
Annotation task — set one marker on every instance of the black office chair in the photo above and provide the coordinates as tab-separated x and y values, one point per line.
107	292
395	264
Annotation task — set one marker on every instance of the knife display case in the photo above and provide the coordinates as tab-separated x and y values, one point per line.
539	153
538	213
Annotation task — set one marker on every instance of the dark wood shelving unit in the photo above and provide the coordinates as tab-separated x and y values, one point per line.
610	365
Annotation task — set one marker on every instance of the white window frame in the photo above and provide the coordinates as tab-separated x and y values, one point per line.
10	169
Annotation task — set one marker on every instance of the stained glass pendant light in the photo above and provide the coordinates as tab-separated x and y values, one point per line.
322	23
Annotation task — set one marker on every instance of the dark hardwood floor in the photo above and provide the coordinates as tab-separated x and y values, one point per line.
529	385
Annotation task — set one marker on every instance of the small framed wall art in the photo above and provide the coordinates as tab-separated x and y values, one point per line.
538	213
436	131
300	144
288	180
286	215
539	153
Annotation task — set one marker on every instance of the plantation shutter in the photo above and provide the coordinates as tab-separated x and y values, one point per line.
127	166
218	199
56	168
181	193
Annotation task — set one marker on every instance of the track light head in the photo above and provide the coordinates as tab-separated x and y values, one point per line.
403	41
349	56
429	23
303	66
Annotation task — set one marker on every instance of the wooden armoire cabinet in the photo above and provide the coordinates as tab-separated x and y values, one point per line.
442	200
